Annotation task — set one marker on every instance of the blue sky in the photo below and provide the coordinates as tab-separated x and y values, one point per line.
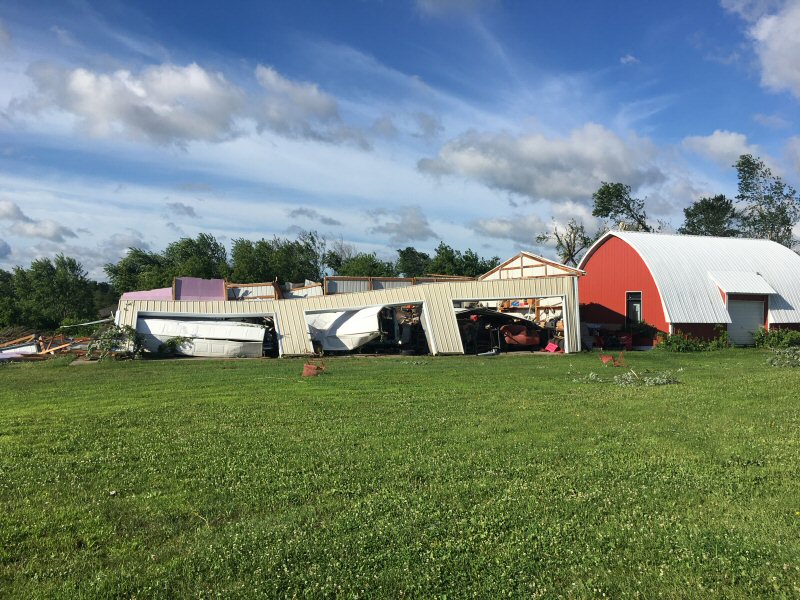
384	123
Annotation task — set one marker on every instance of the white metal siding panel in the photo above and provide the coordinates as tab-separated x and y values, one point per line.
680	264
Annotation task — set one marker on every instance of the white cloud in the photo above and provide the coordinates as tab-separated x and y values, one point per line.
777	44
47	229
556	169
520	228
428	126
5	37
723	147
442	7
628	59
22	224
181	209
312	215
384	126
116	246
292	104
793	152
5	249
406	224
771	121
774	28
301	110
65	37
751	10
163	104
11	212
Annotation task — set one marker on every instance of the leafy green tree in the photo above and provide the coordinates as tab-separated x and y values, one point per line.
412	263
613	201
447	261
103	295
139	270
51	291
250	261
715	216
771	208
473	265
571	241
8	308
288	260
202	256
366	265
339	252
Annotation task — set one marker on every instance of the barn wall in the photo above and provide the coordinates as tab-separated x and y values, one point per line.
704	331
614	269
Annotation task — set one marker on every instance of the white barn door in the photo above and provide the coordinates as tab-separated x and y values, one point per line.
747	316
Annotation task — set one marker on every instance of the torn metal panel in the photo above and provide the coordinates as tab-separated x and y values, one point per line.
207	348
204	338
251	291
344	330
306	291
19	350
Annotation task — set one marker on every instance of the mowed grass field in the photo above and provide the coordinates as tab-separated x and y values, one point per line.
400	477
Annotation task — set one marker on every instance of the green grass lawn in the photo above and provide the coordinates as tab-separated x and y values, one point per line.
461	476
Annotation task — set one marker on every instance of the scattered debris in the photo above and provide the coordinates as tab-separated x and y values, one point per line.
608	359
785	357
312	369
645	379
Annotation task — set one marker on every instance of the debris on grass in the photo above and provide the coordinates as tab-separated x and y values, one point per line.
632	378
646	378
785	357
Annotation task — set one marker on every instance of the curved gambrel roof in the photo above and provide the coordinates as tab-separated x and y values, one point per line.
688	270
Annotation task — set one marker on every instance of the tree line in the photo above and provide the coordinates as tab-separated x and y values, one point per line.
765	207
52	292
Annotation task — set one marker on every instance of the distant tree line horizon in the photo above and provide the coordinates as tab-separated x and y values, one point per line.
56	291
53	292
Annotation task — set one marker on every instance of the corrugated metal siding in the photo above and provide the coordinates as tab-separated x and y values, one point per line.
389	284
347	286
437	302
614	269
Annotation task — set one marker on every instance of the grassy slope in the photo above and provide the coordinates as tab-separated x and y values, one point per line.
399	476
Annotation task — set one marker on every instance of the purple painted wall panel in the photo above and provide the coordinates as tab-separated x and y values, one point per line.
194	288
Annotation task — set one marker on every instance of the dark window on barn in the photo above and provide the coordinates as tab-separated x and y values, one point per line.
633	307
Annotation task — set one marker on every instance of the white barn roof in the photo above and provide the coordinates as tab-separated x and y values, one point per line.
689	271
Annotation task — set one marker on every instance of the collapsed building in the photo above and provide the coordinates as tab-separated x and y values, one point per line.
526	302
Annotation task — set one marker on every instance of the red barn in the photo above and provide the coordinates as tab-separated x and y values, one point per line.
691	284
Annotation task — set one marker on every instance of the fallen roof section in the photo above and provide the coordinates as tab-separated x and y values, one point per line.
439	317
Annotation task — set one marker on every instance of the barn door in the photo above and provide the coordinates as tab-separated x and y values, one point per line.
747	316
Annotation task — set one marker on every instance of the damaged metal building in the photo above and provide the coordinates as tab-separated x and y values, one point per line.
315	317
